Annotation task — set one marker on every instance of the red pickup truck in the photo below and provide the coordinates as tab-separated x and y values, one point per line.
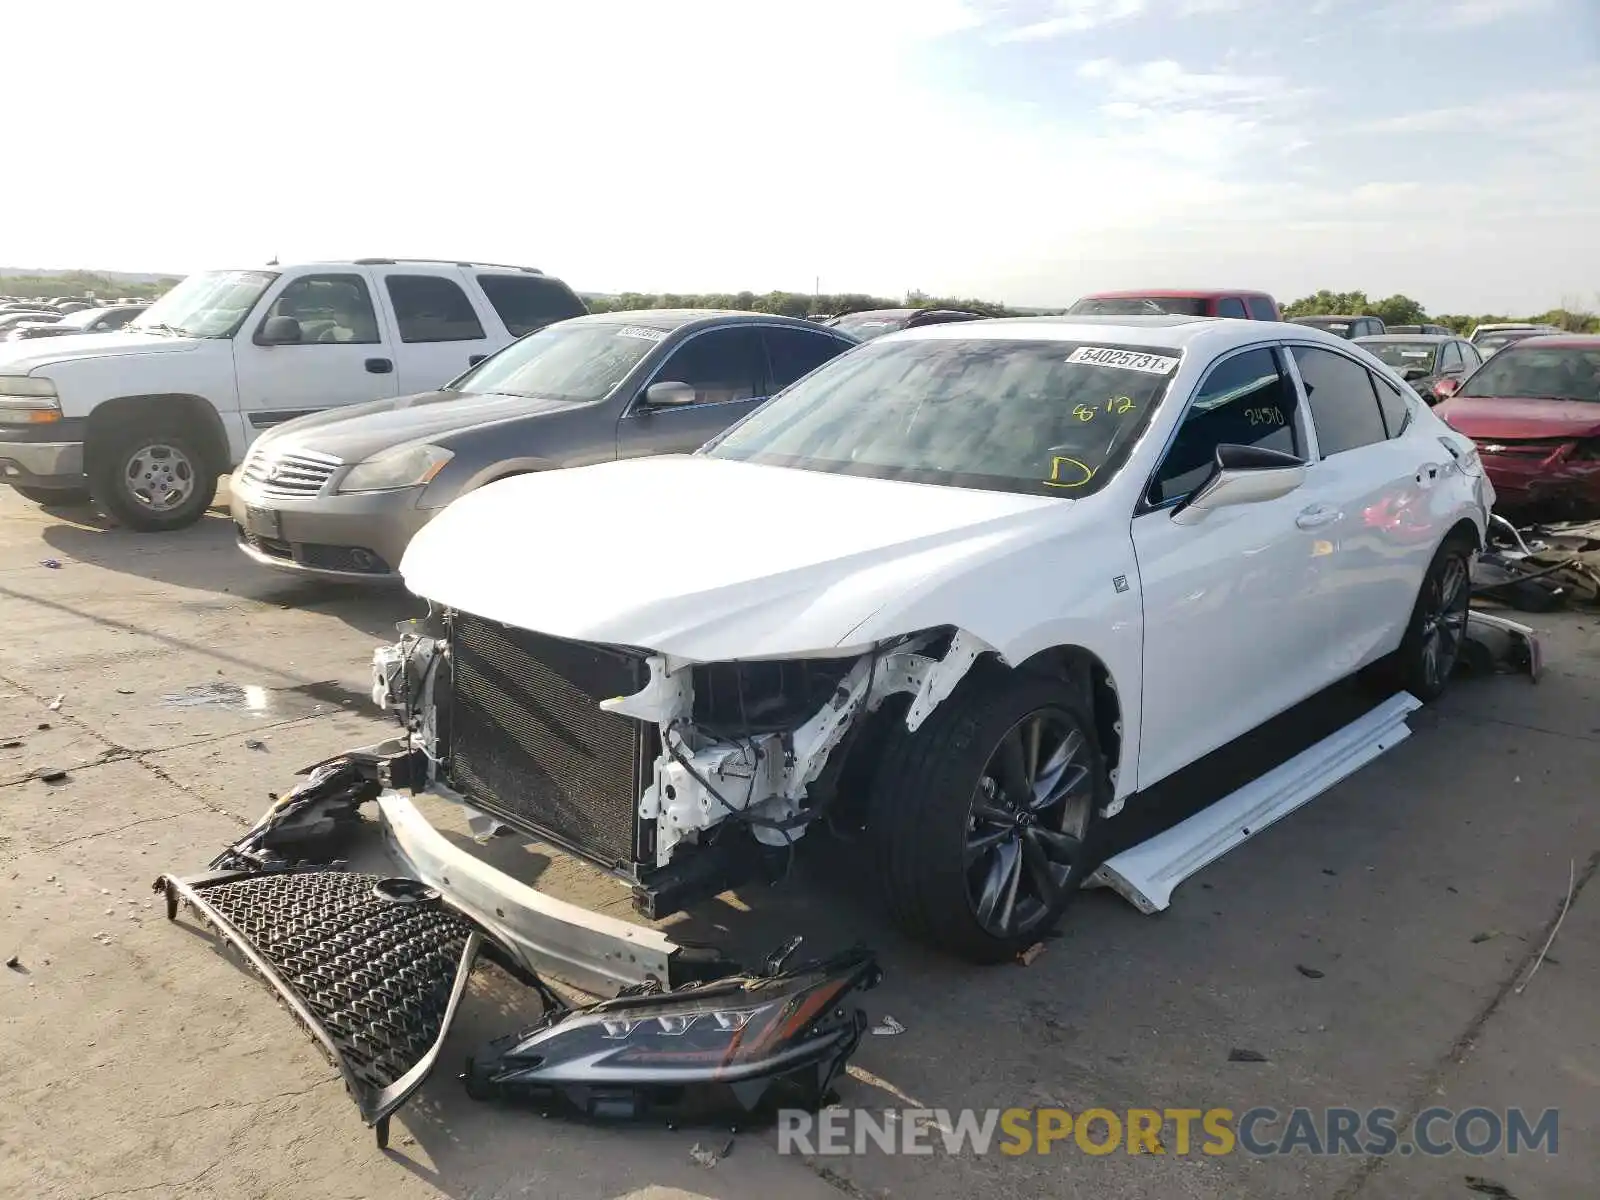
1208	302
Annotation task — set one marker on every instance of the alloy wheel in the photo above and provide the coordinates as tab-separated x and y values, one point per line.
160	477
1444	619
1026	826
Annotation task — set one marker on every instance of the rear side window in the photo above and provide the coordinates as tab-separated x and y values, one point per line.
1260	308
430	308
797	352
528	302
1449	357
1231	306
1343	405
1396	412
1246	400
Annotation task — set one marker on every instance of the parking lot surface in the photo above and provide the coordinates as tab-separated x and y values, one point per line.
1367	950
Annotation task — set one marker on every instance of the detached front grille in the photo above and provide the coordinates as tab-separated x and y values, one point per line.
288	474
529	743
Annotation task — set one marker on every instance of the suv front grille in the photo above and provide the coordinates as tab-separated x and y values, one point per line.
288	474
529	742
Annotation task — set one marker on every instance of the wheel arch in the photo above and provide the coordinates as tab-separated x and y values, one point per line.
1088	673
196	412
1465	530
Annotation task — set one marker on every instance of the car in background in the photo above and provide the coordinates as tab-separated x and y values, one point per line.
1351	327
71	306
340	494
9	321
1424	360
1179	302
1534	412
88	320
1440	330
876	322
1492	338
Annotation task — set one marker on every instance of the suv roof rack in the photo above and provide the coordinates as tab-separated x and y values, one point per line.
390	262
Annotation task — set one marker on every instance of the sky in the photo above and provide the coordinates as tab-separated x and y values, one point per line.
1025	151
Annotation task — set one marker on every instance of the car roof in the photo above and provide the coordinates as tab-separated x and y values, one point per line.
1209	334
1559	341
1175	293
881	312
1410	337
670	319
1334	317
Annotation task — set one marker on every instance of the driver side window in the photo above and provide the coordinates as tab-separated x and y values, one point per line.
722	365
329	308
1245	400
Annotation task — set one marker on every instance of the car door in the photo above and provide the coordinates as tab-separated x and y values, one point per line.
793	353
725	365
340	357
439	333
1233	604
1386	523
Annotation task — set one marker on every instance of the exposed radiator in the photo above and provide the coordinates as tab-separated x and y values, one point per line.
529	743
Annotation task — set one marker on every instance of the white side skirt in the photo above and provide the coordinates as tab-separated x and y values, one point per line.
1145	874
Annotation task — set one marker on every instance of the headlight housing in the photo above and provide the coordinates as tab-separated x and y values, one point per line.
28	400
406	466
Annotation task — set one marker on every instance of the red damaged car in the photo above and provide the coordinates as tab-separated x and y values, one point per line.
1534	412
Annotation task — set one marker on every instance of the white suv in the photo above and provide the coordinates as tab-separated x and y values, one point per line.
147	418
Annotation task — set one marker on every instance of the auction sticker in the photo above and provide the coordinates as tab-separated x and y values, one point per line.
1127	360
641	331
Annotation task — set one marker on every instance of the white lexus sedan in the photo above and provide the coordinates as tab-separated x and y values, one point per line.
972	586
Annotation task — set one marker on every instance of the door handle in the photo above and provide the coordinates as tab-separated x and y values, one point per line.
474	359
1317	516
379	366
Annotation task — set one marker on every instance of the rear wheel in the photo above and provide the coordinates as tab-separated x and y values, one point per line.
1433	641
153	477
985	817
53	497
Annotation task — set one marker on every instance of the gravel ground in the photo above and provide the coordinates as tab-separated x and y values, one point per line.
1365	948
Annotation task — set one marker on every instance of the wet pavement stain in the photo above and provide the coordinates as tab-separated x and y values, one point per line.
305	699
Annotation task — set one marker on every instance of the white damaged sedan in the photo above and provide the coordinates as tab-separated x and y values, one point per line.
973	586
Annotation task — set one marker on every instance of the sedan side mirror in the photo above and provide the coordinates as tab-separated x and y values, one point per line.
670	394
279	331
1242	475
1446	388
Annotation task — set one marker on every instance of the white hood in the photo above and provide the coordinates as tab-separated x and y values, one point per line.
19	358
704	558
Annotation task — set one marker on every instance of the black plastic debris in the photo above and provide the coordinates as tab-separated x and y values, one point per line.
1241	1055
1309	972
50	775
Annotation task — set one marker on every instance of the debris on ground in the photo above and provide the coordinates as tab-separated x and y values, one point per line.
254	744
1478	938
50	775
1572	884
14	963
124	691
1032	952
53	563
887	1027
1540	568
1488	1187
44	724
1238	1054
10	744
705	1156
1308	972
54	705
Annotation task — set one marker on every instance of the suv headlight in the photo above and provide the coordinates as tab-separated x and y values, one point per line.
408	466
25	400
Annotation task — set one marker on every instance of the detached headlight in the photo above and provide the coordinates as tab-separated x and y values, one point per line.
25	400
408	466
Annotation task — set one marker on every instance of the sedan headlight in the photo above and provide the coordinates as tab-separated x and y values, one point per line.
408	466
26	400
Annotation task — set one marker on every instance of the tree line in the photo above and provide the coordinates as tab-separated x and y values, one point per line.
1571	315
791	304
58	284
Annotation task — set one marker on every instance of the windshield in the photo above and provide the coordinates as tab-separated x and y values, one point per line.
1497	341
1402	355
212	304
1046	418
871	325
1536	373
1139	306
565	361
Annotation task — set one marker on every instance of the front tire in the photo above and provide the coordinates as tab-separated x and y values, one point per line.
53	497
985	818
1433	641
153	477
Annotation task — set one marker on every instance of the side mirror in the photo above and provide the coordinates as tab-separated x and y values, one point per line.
1446	388
669	394
1242	475
279	331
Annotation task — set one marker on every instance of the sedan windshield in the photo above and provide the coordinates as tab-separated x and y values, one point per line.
1536	373
1499	341
871	324
1046	418
1139	306
1404	355
212	304
575	361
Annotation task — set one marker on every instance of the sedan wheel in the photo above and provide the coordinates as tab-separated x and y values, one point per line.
1432	645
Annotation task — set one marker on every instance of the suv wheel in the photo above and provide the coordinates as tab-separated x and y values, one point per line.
153	477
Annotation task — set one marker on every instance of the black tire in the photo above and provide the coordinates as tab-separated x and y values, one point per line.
53	497
1438	620
133	469
924	824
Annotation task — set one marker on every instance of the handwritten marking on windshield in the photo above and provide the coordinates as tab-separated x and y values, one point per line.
1072	469
1116	405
